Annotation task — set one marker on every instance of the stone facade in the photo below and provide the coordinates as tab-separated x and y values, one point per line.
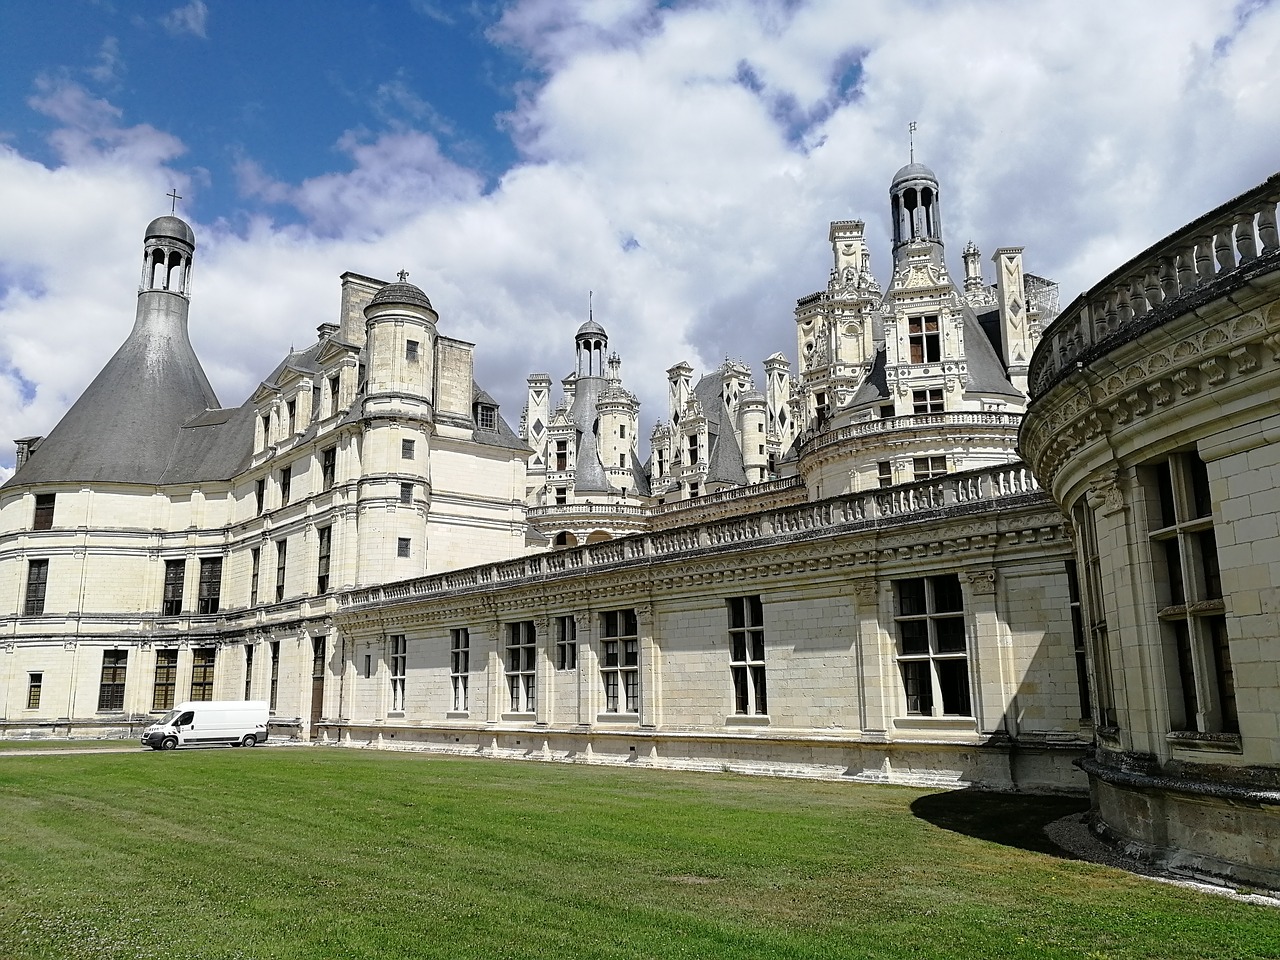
1153	424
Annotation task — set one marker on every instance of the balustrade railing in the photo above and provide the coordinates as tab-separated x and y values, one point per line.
925	421
911	503
1160	282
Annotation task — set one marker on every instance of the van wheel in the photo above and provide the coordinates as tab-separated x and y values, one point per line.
249	740
169	743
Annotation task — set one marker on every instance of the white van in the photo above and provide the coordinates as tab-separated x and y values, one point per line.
240	723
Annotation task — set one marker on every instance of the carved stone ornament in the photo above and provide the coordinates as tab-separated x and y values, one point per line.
981	581
866	592
644	614
1105	494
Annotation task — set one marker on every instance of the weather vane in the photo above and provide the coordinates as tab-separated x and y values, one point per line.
403	275
590	309
173	195
911	139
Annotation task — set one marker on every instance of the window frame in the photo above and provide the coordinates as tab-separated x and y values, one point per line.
33	597
399	660
45	505
324	556
934	663
620	661
520	666
460	666
111	685
924	338
204	661
175	576
566	643
164	683
209	586
35	688
747	656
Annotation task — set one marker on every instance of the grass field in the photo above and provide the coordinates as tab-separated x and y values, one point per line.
313	853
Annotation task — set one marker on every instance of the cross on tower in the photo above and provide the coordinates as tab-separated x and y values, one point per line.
403	275
173	195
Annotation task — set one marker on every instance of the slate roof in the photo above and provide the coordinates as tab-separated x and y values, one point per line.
125	426
986	371
724	456
504	436
406	293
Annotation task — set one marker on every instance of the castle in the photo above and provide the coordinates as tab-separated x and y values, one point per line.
852	573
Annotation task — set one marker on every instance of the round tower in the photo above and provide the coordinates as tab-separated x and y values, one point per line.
917	212
591	342
395	488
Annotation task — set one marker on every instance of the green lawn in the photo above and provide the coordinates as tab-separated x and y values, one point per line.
61	744
310	853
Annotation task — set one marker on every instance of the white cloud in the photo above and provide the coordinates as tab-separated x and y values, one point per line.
191	18
682	163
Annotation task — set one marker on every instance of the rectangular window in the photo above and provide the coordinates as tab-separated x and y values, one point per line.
406	493
622	461
746	655
1192	612
315	401
933	652
266	429
1078	639
202	659
521	666
693	450
248	671
175	572
487	417
1093	607
406	449
927	468
166	681
328	467
37	580
562	454
622	431
325	536
43	519
566	643
259	495
333	395
286	484
275	674
459	665
399	665
411	351
210	584
925	338
111	687
402	546
291	407
927	401
282	555
620	661
255	560
884	473
887	411
562	495
693	491
35	683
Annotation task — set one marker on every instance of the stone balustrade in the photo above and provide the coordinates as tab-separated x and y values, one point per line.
1170	278
991	488
818	439
586	509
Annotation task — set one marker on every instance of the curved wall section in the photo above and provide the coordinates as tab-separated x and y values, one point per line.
1155	424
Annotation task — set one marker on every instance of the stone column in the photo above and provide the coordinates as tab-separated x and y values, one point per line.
987	669
586	667
650	699
877	693
491	651
544	675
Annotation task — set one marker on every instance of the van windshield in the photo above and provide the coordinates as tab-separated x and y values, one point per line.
168	718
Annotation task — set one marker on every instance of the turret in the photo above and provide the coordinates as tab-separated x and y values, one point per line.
972	268
917	213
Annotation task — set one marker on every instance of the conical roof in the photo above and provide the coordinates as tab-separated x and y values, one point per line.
125	426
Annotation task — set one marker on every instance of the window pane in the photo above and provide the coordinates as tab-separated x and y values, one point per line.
910	597
917	688
950	632
915	636
946	594
953	679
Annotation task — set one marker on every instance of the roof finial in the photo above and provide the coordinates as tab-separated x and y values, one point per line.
403	275
590	308
911	139
173	195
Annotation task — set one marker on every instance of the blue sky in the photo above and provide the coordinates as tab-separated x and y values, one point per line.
680	159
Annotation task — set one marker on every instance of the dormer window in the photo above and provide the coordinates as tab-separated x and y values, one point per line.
925	339
292	408
333	394
693	450
486	417
266	430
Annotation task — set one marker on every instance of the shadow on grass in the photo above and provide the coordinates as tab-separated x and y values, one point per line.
1013	820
